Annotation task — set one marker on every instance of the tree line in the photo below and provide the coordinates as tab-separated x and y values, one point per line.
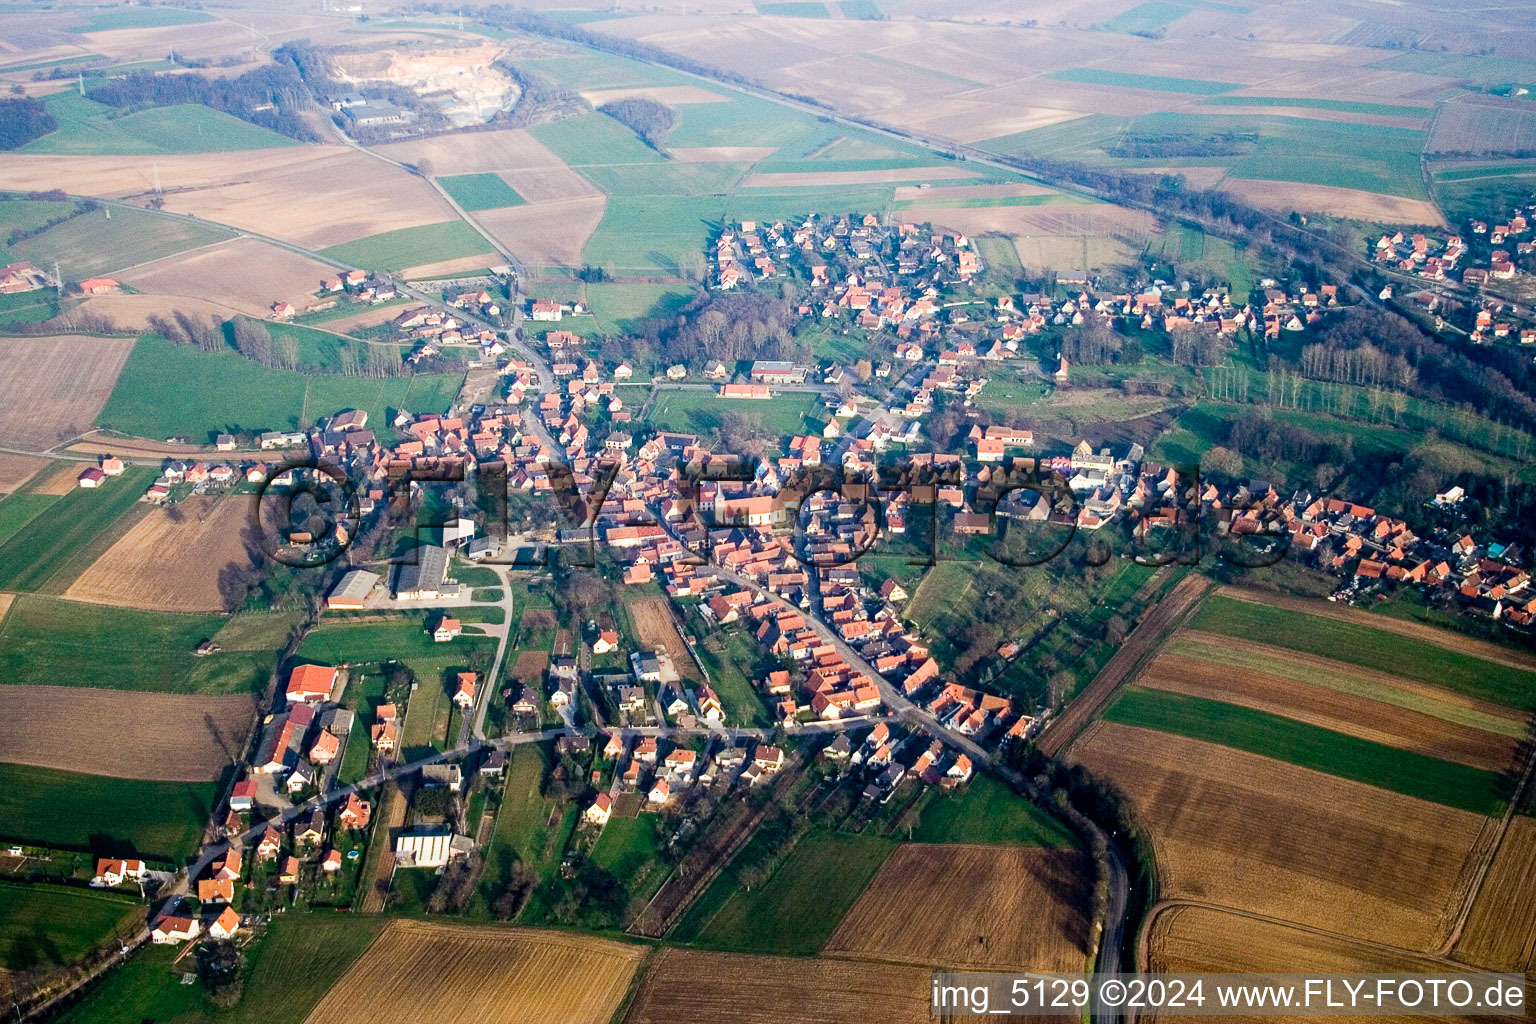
22	120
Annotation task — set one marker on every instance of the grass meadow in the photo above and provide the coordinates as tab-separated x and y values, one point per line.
40	547
54	642
60	923
234	395
798	908
393	251
158	820
88	128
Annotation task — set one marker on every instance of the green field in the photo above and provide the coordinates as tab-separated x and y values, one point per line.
1313	103
88	128
592	69
1069	139
1322	750
287	973
92	244
394	251
106	19
700	412
667	179
17	510
335	642
628	847
36	550
1131	80
595	139
480	191
1369	648
1358	156
27	215
799	907
1147	17
862	10
49	641
161	820
988	813
234	395
791	9
1483	70
56	924
623	308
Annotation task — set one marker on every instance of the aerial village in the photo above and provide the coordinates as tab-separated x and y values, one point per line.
734	546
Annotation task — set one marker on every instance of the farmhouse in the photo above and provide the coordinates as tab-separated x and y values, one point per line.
91	477
98	286
758	391
464	690
768	371
310	683
446	630
225	925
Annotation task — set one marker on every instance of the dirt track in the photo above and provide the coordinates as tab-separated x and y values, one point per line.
1144	639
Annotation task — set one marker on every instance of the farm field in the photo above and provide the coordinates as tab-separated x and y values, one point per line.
908	913
236	396
162	820
337	642
90	245
1130	80
1365	705
1205	939
1501	930
1460	786
315	196
1386	647
88	128
484	191
410	247
798	908
48	545
243	274
655	627
17	510
53	388
1265	836
786	990
158	737
172	561
55	921
46	641
431	971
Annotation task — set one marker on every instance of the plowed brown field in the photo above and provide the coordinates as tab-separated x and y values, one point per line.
1330	709
167	737
171	559
727	988
52	388
1261	835
16	470
1187	938
1023	909
452	974
241	274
